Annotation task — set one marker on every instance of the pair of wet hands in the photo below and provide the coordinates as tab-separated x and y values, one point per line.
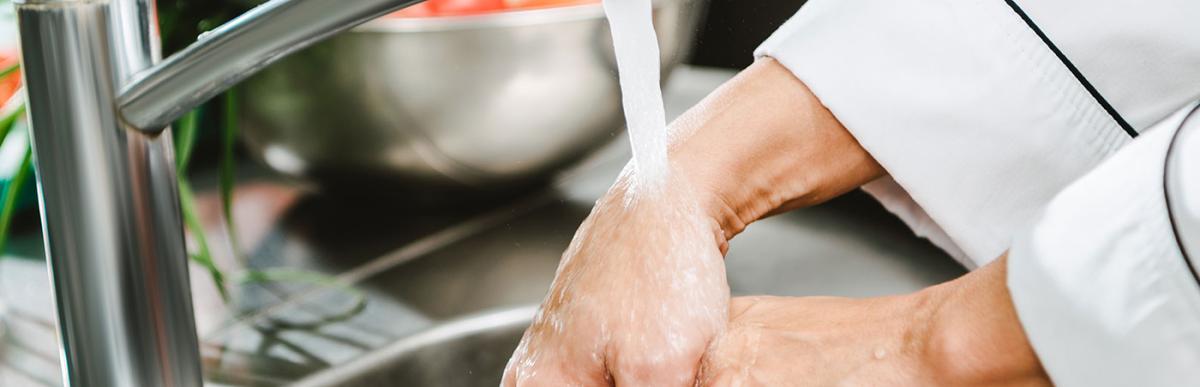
641	299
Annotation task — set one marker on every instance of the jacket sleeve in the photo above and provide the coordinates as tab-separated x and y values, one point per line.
975	118
1100	283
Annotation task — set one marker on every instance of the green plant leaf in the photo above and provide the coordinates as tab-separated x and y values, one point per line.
9	121
9	70
228	169
203	257
185	140
285	275
12	192
8	203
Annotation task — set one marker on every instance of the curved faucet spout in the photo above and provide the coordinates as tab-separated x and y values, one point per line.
235	51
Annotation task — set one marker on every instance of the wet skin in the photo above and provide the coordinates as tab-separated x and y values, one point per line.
640	297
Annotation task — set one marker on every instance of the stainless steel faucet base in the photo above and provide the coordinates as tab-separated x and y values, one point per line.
110	206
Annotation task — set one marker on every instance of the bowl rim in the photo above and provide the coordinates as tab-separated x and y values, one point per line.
515	18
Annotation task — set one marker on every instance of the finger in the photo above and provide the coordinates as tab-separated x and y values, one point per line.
650	361
710	370
717	377
531	365
527	372
675	372
732	356
510	370
543	361
715	368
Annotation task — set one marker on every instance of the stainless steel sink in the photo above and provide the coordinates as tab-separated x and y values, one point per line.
466	352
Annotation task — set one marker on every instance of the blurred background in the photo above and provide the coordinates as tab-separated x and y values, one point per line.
733	28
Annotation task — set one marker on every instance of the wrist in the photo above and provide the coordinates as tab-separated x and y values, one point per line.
974	337
678	197
763	143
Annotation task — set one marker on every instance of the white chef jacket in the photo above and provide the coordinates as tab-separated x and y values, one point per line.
1099	281
982	110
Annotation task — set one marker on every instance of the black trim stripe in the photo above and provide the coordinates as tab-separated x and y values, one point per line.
1167	196
1116	116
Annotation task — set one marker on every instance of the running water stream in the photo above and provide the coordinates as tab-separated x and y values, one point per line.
638	65
641	278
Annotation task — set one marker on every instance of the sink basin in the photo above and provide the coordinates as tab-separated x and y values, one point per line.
468	352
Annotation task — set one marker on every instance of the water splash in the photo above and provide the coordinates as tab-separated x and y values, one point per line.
631	22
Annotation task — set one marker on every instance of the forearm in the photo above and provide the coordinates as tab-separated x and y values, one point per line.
763	143
961	333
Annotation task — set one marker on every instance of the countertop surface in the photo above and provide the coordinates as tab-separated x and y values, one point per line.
394	268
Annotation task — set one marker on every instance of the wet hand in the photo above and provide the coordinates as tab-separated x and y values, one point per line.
641	290
637	298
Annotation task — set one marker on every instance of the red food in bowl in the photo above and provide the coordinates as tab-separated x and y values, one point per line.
435	8
525	4
11	83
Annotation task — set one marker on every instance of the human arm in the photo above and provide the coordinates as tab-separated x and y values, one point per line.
1096	292
961	333
644	267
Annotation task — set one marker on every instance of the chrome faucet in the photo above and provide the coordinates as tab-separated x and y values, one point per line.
99	109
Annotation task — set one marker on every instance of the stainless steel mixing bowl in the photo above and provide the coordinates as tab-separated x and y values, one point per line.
459	104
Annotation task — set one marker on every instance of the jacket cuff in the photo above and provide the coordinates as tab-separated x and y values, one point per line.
1099	282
